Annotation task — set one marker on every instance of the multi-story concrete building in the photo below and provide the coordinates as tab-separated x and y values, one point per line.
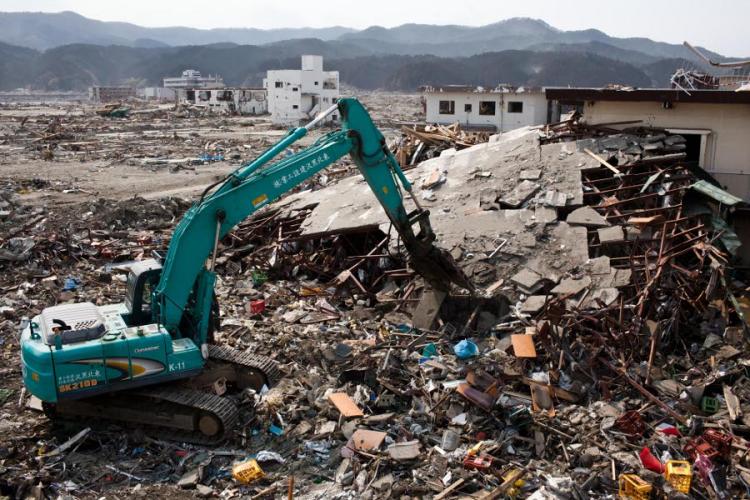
191	79
297	95
99	93
499	109
243	101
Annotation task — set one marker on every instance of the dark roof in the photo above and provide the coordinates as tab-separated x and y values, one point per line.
566	94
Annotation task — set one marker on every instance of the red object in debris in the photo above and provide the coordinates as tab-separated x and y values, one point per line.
631	423
650	462
699	446
257	306
481	436
720	441
704	467
478	463
668	429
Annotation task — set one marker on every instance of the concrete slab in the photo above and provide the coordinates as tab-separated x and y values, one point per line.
428	308
530	175
545	215
527	280
613	234
522	192
570	286
587	217
534	304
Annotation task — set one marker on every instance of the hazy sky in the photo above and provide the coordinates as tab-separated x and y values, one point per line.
719	25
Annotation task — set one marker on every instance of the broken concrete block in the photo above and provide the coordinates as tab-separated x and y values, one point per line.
204	491
599	298
433	180
408	450
554	198
612	234
586	216
615	279
191	478
530	175
534	304
570	286
384	483
520	194
545	215
527	280
598	265
428	308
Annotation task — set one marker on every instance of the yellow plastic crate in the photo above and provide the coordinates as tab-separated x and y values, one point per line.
633	487
679	474
248	471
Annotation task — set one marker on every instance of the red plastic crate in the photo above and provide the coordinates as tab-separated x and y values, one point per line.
720	441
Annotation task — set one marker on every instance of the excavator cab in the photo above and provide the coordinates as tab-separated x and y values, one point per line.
142	279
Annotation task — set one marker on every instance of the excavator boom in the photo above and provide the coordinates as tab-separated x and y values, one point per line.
186	284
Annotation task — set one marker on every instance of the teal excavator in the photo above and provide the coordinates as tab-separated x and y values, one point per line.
122	361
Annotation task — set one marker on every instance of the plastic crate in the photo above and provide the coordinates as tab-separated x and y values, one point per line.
248	471
709	405
633	487
679	474
720	441
700	446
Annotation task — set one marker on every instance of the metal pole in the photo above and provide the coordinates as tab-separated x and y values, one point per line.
321	116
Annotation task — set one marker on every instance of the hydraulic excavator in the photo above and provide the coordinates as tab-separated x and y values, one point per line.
122	361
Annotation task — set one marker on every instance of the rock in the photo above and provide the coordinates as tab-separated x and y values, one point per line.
204	491
191	478
384	483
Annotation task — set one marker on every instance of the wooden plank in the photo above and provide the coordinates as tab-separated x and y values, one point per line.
602	161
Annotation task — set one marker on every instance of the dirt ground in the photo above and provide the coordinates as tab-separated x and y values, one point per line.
117	174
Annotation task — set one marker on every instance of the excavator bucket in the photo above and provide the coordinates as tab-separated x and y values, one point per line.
439	269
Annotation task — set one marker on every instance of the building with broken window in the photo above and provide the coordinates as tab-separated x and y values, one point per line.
242	101
499	109
297	95
714	123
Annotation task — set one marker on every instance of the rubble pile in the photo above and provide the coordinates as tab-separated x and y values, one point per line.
135	134
602	352
422	142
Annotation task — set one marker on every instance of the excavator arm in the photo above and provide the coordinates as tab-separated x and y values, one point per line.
185	290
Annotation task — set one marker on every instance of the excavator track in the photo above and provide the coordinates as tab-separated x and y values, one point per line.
265	367
176	411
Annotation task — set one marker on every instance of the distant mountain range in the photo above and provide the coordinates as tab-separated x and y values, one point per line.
41	31
68	51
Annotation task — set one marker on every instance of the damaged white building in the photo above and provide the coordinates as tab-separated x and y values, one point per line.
296	95
499	109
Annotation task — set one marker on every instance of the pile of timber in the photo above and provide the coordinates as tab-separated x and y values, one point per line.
422	142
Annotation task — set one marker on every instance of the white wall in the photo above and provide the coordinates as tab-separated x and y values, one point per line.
726	153
534	109
296	95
